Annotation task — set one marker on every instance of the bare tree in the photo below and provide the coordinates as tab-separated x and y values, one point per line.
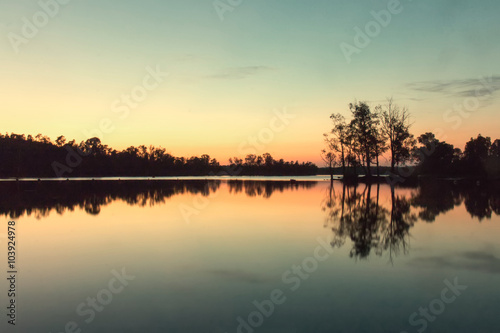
379	146
328	155
338	141
395	125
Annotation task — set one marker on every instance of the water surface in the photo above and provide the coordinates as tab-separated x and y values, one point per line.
202	253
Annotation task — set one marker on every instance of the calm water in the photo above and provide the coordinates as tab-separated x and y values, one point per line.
253	256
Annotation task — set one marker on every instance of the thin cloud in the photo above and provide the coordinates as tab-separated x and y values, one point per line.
484	87
237	73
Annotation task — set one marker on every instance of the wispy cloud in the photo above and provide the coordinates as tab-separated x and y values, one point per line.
477	87
235	73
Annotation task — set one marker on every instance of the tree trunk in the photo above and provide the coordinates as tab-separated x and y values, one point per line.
392	159
343	202
343	161
331	173
368	168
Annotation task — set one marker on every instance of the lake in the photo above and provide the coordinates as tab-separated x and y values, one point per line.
252	255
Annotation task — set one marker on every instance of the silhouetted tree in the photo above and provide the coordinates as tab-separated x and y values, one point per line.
363	127
395	126
39	157
436	157
476	153
328	155
338	138
60	141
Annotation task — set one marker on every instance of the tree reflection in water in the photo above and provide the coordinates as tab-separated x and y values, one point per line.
354	212
265	189
40	198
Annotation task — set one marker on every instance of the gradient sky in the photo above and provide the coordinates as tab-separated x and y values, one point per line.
227	77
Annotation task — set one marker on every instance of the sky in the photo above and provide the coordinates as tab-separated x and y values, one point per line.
230	77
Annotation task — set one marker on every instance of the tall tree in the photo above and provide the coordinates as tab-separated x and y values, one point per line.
328	155
364	128
338	139
436	157
476	154
379	146
395	125
495	148
477	149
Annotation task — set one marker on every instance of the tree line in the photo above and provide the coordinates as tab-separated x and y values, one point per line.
370	135
39	156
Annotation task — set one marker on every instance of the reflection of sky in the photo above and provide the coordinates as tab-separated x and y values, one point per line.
199	277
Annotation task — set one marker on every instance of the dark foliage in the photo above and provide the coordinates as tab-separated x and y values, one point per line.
22	156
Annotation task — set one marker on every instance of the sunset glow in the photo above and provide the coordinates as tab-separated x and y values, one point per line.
227	77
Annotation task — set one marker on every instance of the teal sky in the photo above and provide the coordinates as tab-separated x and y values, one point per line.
227	76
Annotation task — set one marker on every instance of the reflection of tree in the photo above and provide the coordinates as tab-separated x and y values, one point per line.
495	203
334	212
357	215
439	196
482	200
478	205
435	198
93	205
397	231
254	188
365	219
40	198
